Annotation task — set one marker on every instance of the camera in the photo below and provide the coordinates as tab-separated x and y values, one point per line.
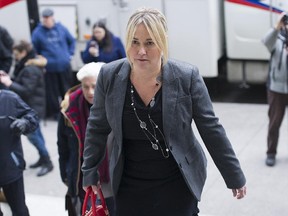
285	19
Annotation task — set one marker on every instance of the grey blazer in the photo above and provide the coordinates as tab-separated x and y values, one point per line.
184	98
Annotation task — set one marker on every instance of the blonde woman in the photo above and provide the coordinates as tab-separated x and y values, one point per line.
157	165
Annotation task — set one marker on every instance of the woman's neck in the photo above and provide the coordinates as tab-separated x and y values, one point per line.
144	76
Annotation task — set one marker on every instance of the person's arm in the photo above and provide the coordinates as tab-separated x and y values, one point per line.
63	150
97	132
26	120
270	38
215	138
70	40
29	81
86	56
36	41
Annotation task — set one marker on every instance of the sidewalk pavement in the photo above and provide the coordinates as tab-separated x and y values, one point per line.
246	127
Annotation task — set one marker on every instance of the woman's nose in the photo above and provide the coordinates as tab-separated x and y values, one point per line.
91	91
142	50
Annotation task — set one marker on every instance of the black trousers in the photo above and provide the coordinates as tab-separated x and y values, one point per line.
277	104
57	83
15	196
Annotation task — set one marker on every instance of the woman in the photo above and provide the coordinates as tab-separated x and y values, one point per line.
71	133
16	118
149	102
28	83
103	46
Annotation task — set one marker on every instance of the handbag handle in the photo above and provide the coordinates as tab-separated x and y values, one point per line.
90	193
93	196
103	203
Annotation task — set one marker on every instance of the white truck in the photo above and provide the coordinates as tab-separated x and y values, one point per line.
221	37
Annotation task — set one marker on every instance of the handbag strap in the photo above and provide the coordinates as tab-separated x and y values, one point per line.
100	193
89	193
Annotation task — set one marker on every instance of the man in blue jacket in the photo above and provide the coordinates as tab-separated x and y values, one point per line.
53	41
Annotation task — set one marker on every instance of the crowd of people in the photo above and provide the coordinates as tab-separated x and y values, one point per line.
126	127
40	83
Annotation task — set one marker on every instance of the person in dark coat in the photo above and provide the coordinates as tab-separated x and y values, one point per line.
16	118
157	165
6	43
28	83
71	132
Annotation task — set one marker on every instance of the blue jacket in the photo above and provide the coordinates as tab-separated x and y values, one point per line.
12	162
185	99
57	45
116	53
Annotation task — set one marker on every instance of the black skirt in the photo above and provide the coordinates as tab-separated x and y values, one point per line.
170	198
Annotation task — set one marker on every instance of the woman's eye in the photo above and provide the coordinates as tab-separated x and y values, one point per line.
150	43
134	42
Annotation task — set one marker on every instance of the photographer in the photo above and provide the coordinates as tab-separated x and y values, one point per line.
277	84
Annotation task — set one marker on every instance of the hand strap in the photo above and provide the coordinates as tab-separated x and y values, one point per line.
103	203
90	193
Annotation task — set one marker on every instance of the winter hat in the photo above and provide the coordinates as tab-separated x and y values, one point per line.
90	69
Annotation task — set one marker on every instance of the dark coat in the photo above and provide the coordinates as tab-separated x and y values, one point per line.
68	143
71	134
185	99
29	84
6	43
12	162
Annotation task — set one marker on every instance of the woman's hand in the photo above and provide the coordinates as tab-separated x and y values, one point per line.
280	22
239	193
94	187
94	51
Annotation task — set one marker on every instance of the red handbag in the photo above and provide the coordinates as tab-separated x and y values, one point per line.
95	210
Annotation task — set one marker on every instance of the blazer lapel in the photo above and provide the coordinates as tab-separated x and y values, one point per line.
170	93
119	93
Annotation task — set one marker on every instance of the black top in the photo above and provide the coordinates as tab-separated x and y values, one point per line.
142	161
151	184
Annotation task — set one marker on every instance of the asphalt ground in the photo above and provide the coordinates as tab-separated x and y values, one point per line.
246	126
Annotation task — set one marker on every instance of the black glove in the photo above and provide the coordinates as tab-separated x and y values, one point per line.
18	126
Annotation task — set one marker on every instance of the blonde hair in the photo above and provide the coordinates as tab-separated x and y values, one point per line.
90	69
155	23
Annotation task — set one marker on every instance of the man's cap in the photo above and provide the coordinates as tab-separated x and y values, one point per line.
47	12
